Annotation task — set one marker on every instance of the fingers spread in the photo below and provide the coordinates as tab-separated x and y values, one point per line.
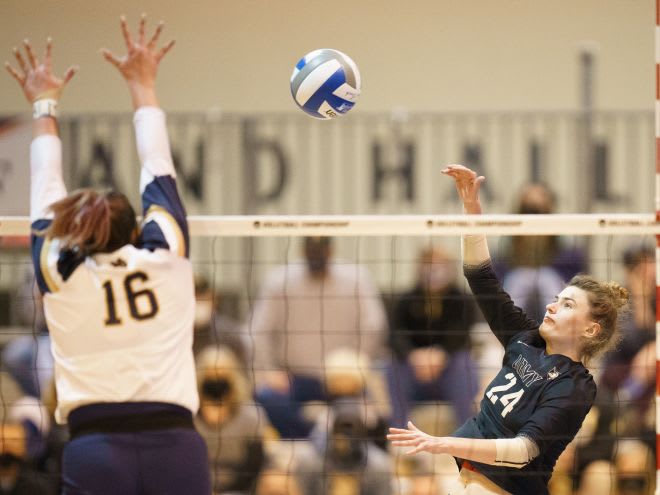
412	426
110	57
48	58
143	21
163	51
70	72
405	443
402	436
14	73
126	33
31	58
419	448
20	60
154	38
398	430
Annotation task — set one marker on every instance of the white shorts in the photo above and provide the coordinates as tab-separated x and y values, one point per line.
475	483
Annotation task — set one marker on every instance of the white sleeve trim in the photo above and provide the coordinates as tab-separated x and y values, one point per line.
474	249
515	452
46	184
153	144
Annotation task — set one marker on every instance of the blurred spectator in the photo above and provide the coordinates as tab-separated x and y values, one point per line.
639	329
212	326
22	442
587	464
533	269
634	468
277	481
342	460
429	338
629	372
349	377
304	311
231	425
28	357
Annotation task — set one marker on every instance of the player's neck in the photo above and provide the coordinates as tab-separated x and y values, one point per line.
565	350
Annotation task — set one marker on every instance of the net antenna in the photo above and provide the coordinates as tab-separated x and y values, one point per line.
657	248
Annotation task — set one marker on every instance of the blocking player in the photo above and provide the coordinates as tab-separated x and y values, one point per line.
118	297
536	404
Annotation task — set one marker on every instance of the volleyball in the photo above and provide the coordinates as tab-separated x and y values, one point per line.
325	83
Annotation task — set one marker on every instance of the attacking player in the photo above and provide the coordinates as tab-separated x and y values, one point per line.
119	299
536	404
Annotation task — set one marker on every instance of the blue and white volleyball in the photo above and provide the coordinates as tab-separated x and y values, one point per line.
325	83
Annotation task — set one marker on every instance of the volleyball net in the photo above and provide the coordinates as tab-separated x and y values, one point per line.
317	332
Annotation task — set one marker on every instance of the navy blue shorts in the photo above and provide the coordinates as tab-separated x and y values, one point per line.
161	462
140	454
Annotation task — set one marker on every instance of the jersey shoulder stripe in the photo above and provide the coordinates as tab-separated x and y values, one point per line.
42	249
52	264
172	236
160	199
46	250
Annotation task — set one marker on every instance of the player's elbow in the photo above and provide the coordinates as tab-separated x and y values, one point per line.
515	452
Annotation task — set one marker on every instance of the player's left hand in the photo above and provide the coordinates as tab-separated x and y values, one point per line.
36	78
140	64
416	438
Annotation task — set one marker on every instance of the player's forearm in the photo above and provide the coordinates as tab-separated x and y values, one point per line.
152	142
474	247
46	184
44	126
474	250
472	449
514	452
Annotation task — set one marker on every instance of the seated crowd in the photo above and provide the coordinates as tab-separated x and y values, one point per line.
296	395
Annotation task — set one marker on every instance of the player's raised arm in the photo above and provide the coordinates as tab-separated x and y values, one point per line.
468	183
504	318
165	224
43	89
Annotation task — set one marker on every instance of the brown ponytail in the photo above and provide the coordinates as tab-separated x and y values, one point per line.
92	222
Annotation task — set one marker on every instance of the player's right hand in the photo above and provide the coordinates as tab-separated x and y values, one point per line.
467	184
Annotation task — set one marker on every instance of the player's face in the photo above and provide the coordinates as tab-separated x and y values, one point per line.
567	319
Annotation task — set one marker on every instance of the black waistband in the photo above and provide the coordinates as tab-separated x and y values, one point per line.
149	419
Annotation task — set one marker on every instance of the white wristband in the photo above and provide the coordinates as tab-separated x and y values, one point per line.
475	250
45	107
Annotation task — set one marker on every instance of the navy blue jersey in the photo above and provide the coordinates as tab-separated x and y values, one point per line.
543	397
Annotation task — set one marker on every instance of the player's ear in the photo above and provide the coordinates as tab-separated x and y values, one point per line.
593	329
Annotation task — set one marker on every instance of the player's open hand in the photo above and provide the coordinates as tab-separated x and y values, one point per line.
140	64
467	185
417	439
36	77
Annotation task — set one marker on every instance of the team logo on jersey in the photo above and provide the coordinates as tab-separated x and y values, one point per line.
553	373
525	371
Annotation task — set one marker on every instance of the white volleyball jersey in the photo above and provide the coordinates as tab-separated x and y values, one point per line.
121	323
